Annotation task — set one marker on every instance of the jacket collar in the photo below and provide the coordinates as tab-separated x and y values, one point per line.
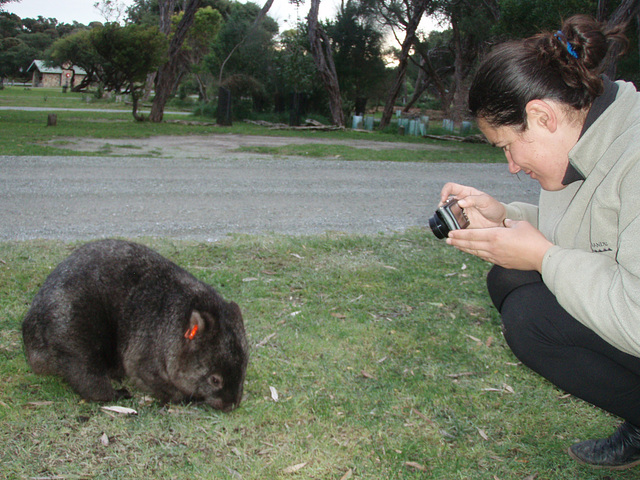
599	105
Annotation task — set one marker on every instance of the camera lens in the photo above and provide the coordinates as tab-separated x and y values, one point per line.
438	226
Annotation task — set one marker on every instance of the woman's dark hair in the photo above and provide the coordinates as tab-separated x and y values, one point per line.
564	66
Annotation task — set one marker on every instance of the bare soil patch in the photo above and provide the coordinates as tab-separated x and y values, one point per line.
215	145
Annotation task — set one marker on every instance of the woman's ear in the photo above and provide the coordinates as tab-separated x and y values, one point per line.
542	114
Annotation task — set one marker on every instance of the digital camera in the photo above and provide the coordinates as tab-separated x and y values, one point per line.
449	216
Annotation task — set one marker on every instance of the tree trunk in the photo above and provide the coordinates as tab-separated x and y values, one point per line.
148	86
427	67
323	59
135	99
460	89
414	16
202	89
168	72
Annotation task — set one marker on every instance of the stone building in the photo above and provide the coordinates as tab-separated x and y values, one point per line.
45	76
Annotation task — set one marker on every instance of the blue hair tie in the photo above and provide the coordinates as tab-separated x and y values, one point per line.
560	36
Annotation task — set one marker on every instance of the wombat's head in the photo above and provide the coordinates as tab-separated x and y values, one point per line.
211	364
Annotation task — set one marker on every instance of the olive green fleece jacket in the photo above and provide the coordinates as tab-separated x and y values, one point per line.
593	268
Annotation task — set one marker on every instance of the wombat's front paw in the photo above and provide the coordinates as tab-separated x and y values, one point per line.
123	393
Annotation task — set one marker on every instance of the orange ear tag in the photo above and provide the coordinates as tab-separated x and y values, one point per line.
191	333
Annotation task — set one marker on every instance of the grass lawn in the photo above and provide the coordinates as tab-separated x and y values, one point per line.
26	132
385	352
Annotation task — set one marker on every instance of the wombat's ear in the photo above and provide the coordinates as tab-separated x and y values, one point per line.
198	323
235	312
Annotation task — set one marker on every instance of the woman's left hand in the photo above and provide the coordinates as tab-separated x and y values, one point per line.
519	246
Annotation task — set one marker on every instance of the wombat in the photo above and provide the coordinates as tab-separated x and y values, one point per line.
115	308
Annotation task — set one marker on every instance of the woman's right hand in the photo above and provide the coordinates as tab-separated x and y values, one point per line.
483	211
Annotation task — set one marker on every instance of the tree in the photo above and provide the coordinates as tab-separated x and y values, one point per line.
118	57
435	61
205	29
167	73
242	57
3	2
111	10
293	65
323	57
78	50
247	33
357	53
23	40
403	15
470	31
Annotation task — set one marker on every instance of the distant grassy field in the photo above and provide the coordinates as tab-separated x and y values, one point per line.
384	350
26	132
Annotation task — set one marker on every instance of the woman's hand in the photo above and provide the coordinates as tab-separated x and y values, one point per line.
482	210
519	246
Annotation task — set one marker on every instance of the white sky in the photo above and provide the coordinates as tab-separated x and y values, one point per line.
83	11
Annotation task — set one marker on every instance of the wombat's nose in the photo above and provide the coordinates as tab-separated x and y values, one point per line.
221	405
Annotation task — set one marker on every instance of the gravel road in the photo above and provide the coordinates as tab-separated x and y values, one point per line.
202	188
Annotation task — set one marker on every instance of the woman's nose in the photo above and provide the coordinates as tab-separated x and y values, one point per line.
513	166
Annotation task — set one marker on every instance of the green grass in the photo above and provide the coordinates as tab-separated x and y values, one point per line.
443	151
384	349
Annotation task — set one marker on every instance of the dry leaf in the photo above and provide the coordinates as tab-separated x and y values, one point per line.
338	315
249	279
265	340
461	374
295	468
297	256
416	465
367	375
347	475
146	400
39	404
508	388
122	410
104	440
274	394
483	434
422	416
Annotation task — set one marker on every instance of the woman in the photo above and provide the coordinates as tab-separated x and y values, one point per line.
566	279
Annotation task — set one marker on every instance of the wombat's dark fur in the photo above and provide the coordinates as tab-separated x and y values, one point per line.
115	309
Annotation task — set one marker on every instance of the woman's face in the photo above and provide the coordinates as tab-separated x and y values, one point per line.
538	152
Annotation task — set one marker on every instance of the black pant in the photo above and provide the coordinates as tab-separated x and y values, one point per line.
557	346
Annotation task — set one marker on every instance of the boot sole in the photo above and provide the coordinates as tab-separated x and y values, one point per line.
608	467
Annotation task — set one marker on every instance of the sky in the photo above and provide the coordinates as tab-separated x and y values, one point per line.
83	11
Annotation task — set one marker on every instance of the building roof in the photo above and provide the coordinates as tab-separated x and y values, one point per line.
43	68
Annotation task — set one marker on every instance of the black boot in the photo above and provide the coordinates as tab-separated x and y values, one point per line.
619	451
